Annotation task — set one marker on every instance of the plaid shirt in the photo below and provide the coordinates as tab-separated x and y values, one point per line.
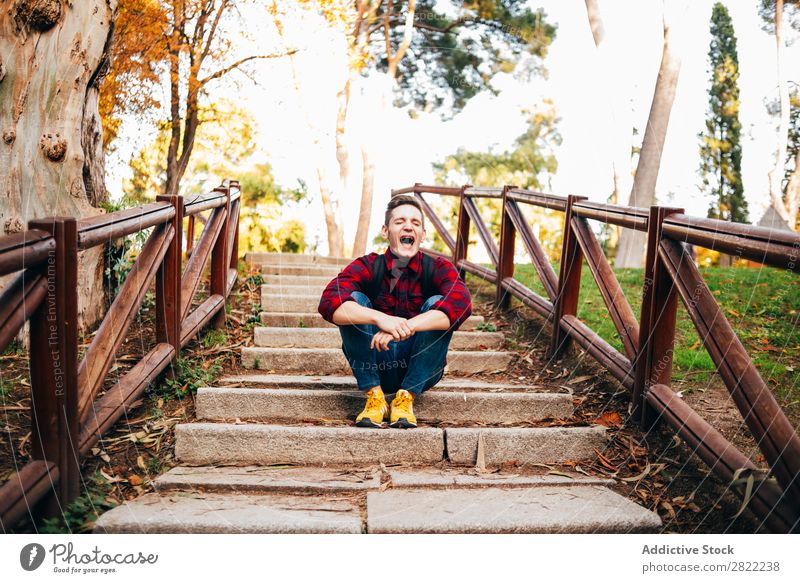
402	297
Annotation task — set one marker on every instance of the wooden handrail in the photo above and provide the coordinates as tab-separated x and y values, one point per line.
69	420
646	366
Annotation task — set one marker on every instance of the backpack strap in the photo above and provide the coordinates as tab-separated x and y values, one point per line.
374	286
428	289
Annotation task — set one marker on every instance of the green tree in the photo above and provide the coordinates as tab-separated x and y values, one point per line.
720	150
529	165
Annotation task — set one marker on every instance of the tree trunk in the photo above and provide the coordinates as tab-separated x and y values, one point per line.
53	56
643	194
367	191
368	180
793	193
317	153
776	174
621	131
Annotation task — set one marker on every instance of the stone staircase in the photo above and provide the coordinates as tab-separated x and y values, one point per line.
278	452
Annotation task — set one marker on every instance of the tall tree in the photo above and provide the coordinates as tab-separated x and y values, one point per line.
774	13
331	206
433	54
721	152
53	56
621	119
530	164
630	252
186	45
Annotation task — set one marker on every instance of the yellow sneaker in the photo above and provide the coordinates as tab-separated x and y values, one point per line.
375	410
402	414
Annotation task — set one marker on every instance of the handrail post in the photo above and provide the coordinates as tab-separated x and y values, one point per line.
235	253
168	282
219	261
653	363
54	365
462	232
505	263
569	281
190	235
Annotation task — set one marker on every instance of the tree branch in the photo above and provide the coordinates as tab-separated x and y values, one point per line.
213	30
241	62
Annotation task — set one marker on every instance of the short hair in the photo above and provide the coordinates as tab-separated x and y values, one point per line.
399	200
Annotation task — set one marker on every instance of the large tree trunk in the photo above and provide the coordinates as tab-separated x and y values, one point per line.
776	174
643	194
53	55
621	131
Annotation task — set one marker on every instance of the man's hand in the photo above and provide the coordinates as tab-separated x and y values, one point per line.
397	328
381	341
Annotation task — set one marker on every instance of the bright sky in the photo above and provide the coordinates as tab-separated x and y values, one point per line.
408	147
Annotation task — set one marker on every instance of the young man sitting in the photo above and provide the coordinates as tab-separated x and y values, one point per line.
404	307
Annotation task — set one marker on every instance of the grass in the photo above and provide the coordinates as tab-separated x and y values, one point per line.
761	304
80	515
190	374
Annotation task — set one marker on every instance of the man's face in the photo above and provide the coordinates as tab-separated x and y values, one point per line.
405	232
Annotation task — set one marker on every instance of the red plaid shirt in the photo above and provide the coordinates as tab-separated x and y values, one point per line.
405	299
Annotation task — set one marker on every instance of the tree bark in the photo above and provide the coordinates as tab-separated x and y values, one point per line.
53	56
643	194
776	174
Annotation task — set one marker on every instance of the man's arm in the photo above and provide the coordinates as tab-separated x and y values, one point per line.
354	313
456	303
430	320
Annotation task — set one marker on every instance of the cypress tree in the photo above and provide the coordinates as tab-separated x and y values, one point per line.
720	151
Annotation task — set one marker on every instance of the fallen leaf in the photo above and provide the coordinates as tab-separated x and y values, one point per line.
609	419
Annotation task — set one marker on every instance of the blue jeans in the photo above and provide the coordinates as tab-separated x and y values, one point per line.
415	364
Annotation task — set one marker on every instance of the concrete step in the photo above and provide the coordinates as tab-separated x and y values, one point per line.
348	382
309	479
284	337
330	271
259	257
448	407
290	303
313	282
298	289
214	443
471	478
191	512
333	361
217	443
524	445
252	479
312	319
559	509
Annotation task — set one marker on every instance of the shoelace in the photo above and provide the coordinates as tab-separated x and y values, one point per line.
375	401
404	399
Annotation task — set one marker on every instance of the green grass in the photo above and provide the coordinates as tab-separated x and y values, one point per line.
79	516
762	305
190	374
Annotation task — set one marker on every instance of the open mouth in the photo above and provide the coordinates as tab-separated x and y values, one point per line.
407	241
